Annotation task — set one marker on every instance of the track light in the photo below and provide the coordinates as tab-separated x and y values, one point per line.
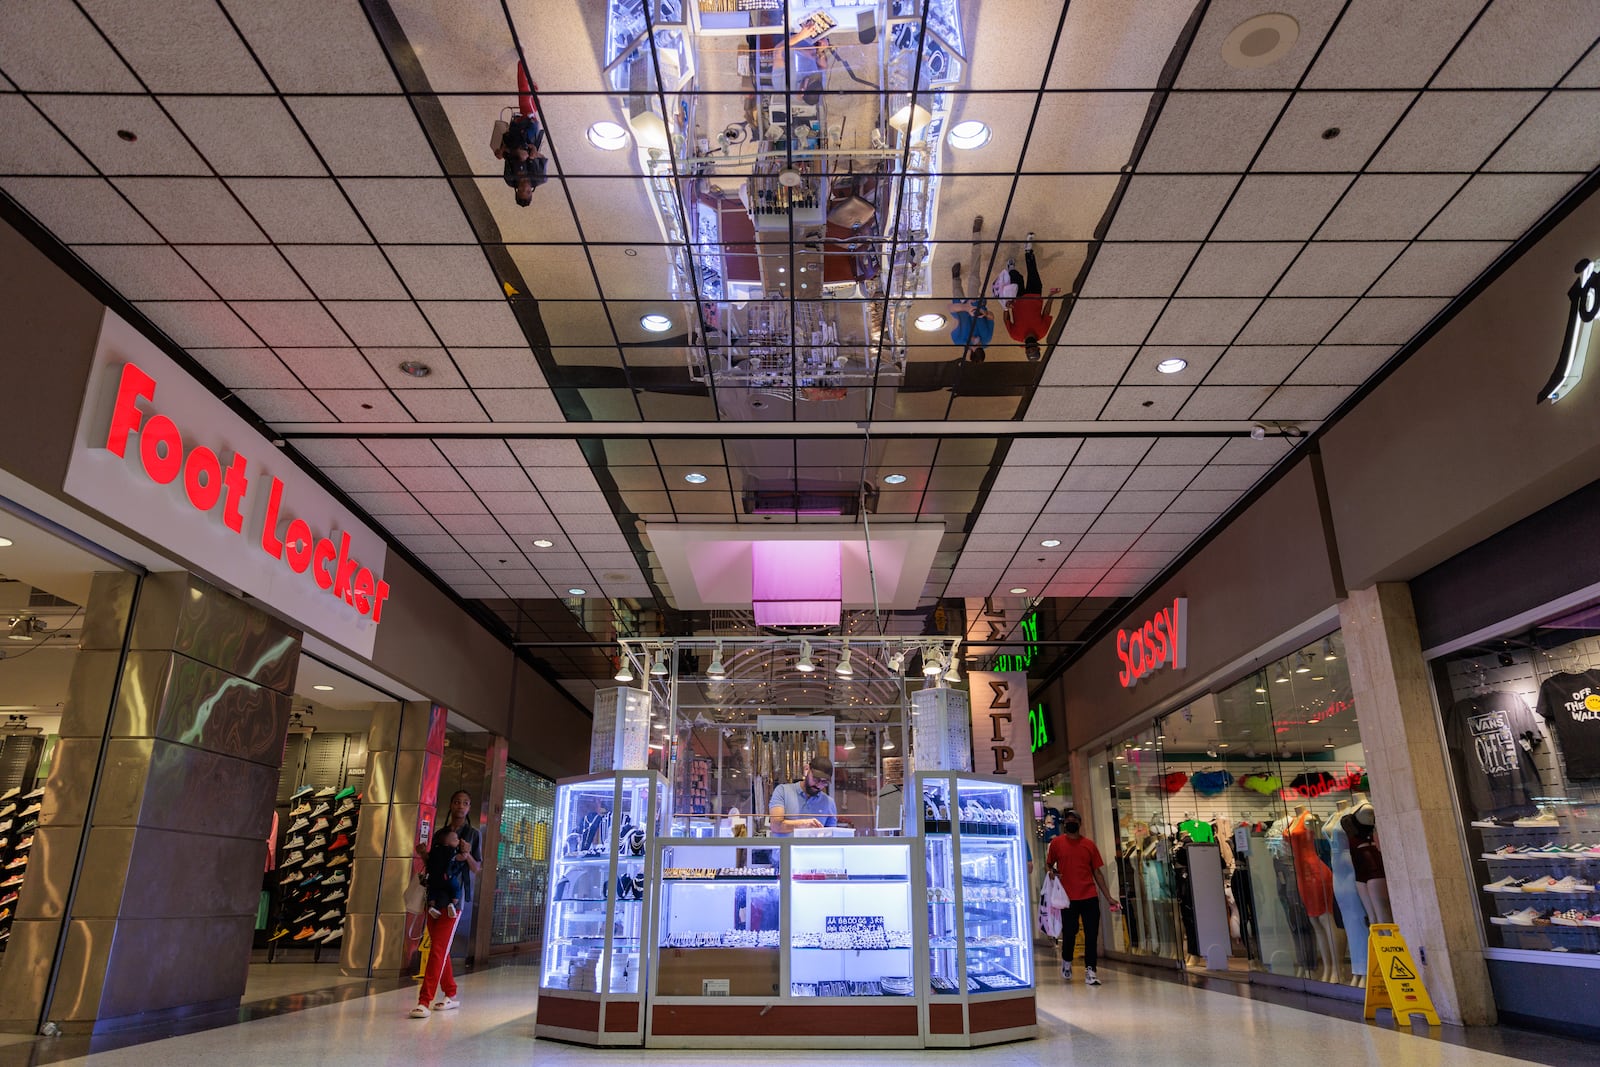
1328	654
804	664
1280	677
624	670
23	627
930	662
953	675
888	742
1328	743
897	662
717	670
659	667
849	742
1261	682
1304	666
844	670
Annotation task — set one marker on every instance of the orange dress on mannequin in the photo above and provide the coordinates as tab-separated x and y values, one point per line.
1314	877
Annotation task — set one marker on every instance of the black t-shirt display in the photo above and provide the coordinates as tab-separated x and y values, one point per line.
1489	732
1570	703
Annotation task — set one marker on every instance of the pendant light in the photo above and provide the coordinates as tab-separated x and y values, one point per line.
844	670
804	664
1281	677
897	662
888	741
849	742
1261	682
930	662
1328	654
1304	665
717	670
953	675
659	667
624	670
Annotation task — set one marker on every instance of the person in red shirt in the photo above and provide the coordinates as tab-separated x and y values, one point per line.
1075	860
1030	314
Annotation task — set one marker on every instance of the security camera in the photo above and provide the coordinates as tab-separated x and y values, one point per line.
1258	433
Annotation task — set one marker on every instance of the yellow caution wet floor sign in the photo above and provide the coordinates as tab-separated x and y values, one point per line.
1393	980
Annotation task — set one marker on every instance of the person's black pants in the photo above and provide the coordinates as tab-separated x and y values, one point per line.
1032	284
1089	911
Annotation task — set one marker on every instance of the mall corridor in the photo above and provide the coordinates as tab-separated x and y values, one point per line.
1132	1019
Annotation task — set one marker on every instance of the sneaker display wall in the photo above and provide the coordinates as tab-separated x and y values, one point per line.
313	873
19	817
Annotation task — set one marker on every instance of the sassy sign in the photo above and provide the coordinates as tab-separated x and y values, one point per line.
1162	642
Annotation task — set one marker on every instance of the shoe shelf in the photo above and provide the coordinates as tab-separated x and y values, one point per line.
1542	887
19	818
311	883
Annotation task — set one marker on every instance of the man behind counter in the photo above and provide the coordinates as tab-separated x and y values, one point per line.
805	804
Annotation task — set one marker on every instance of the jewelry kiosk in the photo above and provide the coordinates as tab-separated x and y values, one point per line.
665	932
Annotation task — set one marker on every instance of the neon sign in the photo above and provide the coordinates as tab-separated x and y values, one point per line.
1585	297
1030	648
1163	641
1329	783
210	479
1038	727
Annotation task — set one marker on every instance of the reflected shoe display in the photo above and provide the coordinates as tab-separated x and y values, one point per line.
1507	884
1522	917
1570	884
1570	917
1546	817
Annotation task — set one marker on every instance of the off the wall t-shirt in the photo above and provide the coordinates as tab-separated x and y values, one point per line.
1489	732
1570	703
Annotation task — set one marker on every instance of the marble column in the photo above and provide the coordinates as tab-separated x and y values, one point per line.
169	789
1429	878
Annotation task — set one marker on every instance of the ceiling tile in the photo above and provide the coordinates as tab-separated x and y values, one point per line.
364	405
1165	476
31	145
1438	268
440	373
474	323
1198	358
1237	269
1385	321
283	405
1109	322
1169	207
311	46
1037	451
91	125
1068	404
1204	501
1453	131
330	368
495	479
250	272
1391	207
191	210
1210	131
445	272
1563	133
384	324
474	452
1116	543
1236	478
145	272
291	323
465	525
1498	207
200	324
409	210
1204	66
1095	477
244	135
1113	451
330	120
520	512
1087	365
53	45
1182	523
1382	44
376	480
1183	450
1021	477
1357	123
1520	43
1078	502
1293	320
410	524
80	209
1146	501
443	405
1144	269
1256	364
1250	452
246	368
1292	402
304	210
335	452
1225	402
1002	523
536	454
345	272
1338	268
1135	402
1202	321
521	405
189	48
1279	207
1341	365
491	368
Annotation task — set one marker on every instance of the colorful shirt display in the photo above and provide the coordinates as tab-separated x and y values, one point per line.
1492	733
1570	703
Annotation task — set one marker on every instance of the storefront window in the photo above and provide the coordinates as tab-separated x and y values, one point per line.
1522	722
524	867
1244	831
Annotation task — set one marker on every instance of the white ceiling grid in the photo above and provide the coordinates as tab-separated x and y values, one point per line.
1325	208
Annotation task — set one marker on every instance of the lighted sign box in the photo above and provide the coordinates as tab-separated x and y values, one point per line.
158	453
1161	643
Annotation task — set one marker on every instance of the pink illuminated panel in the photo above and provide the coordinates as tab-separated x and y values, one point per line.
796	583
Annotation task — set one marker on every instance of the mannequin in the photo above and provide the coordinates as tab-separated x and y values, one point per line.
1345	894
1362	827
1315	883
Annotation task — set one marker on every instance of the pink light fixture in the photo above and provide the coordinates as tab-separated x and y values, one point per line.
797	583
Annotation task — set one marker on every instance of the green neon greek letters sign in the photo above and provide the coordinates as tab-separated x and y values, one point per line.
1030	647
1038	727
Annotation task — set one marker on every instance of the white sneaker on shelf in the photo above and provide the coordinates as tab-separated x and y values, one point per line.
1546	817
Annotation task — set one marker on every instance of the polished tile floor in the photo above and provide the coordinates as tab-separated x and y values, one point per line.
1132	1019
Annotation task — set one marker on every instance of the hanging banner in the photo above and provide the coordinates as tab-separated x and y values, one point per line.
1002	743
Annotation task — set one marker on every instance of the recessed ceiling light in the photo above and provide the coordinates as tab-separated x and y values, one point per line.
323	688
969	134
1050	542
544	542
1018	589
1260	41
416	368
930	322
1172	365
578	592
893	479
695	478
655	322
5	542
608	136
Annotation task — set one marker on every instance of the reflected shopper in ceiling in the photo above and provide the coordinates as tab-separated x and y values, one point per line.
1029	315
974	325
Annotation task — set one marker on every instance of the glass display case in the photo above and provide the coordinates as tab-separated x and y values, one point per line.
980	945
590	982
719	922
850	920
